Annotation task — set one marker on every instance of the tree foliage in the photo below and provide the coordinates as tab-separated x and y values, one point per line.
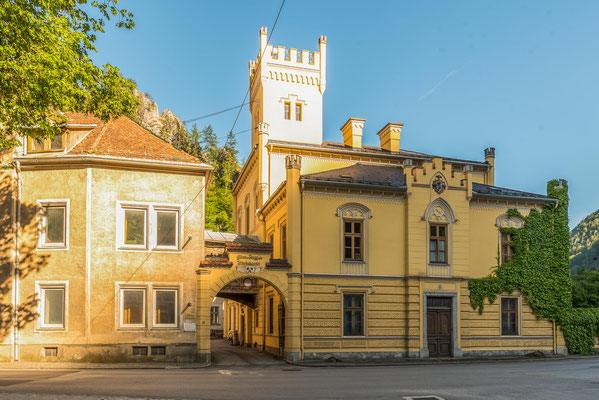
540	270
585	289
45	66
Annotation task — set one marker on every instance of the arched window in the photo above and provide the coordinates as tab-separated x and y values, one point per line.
353	220
506	248
439	218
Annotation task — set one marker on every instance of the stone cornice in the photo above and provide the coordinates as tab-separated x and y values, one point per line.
245	171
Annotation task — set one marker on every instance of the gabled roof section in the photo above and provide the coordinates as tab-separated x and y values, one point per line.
124	138
480	190
362	174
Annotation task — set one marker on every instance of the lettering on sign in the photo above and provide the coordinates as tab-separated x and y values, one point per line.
250	263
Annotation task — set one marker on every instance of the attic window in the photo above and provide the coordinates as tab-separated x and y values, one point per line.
46	144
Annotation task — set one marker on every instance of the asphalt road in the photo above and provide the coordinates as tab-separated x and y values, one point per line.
545	379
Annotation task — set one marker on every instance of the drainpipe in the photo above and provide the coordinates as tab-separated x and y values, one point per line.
15	297
301	270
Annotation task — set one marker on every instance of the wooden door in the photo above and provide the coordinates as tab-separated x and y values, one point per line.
439	326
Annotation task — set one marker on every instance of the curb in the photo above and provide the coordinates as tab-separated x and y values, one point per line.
450	361
79	366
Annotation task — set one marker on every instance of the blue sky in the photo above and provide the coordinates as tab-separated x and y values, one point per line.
522	76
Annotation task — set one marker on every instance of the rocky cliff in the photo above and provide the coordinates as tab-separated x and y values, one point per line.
166	124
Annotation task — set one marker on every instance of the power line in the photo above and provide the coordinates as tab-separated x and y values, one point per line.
216	113
274	25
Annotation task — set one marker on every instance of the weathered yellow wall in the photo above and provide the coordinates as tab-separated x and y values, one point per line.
93	331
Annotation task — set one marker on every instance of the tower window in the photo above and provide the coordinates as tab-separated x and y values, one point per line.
298	111
287	112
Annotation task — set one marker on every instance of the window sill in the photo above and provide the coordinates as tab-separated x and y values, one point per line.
354	337
354	262
46	248
439	265
51	329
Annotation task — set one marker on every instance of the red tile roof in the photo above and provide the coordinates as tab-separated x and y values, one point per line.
122	137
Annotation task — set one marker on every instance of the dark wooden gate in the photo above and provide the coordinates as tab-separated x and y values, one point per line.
439	326
281	329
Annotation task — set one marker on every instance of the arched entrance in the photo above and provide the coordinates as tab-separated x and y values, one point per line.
256	289
253	316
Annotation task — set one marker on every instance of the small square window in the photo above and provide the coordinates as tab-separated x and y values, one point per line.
165	307
53	227
133	307
140	350
51	351
52	306
158	350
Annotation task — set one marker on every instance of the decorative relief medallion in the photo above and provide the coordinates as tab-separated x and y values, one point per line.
249	269
439	184
438	214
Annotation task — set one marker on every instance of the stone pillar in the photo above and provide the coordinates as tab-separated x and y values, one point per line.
293	311
293	318
203	303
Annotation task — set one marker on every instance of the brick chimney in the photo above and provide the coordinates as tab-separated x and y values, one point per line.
389	136
352	132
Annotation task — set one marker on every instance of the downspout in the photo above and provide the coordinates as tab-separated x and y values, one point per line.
301	270
16	270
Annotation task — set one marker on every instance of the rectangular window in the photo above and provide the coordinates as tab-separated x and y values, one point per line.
352	240
256	318
158	350
51	351
298	111
507	249
133	308
271	316
165	307
353	314
271	240
46	144
438	244
284	242
135	228
509	316
140	350
214	320
52	306
287	112
247	219
167	229
149	227
53	227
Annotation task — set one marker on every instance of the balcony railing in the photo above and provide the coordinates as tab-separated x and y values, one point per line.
438	270
354	268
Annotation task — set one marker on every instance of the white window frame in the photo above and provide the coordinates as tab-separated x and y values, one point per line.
40	288
121	314
169	289
151	228
41	223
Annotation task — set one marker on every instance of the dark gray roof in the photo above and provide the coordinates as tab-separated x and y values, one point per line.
373	150
499	192
362	174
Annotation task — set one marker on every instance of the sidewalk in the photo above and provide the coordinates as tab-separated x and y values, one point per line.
83	365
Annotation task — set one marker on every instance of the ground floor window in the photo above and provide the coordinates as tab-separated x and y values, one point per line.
165	307
509	316
133	304
353	314
52	305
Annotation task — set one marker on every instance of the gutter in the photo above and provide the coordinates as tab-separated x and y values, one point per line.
355	185
509	197
16	270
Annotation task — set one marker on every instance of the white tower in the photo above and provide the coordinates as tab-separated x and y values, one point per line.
286	88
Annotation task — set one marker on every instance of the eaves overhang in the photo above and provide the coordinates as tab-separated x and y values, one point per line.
351	185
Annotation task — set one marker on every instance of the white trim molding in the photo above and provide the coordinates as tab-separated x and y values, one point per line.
40	290
42	223
355	212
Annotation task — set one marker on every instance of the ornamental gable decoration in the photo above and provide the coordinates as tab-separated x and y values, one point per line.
439	184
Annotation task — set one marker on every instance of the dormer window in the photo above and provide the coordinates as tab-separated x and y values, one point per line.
298	111
46	144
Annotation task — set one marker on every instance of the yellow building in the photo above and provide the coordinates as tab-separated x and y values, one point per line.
102	232
372	247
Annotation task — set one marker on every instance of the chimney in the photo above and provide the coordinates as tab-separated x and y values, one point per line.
389	136
490	159
352	132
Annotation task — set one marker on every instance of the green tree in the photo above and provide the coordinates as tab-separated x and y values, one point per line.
585	289
219	199
45	66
